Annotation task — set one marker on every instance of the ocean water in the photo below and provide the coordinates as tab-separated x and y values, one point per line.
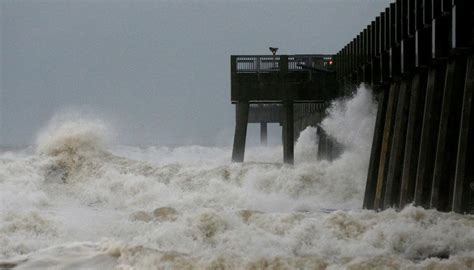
77	201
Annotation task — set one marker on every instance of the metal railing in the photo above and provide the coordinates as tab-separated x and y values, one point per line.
268	63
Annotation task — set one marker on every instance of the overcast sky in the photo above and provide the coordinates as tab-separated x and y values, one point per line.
157	70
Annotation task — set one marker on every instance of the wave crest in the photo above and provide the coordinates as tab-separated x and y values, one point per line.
72	143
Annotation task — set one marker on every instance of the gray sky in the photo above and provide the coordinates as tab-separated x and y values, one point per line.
157	70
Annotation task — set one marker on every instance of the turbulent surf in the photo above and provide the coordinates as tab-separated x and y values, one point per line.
77	201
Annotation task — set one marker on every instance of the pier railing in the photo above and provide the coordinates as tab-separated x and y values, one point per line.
269	63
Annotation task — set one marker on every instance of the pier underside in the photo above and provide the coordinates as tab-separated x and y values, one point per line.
290	90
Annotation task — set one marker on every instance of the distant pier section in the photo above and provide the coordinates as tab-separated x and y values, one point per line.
291	90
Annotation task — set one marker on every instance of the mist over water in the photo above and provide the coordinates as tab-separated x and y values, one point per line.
79	202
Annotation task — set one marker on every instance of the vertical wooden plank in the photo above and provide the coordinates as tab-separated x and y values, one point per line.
448	134
427	12
352	56
387	24
392	25
372	173
407	43
394	43
346	61
376	48
422	36
464	168
363	48
365	78
446	6
399	21
411	16
384	55
462	24
368	54
370	42
436	9
441	27
429	134
413	137
392	187
358	72
386	143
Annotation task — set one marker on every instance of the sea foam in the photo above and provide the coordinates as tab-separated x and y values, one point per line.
80	202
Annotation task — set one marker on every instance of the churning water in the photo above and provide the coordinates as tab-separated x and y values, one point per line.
76	202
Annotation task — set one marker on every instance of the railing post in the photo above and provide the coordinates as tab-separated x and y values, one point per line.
283	64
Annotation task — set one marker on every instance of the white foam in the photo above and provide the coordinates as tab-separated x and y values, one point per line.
79	203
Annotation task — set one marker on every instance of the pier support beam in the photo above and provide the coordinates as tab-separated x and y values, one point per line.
448	134
392	186
371	183
429	134
288	133
241	122
323	143
386	143
263	133
412	143
464	177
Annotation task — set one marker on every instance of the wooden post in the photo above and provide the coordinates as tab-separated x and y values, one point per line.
386	143
371	182
395	167
263	133
288	133
464	168
429	134
384	54
395	50
423	33
322	143
376	51
241	121
412	144
445	162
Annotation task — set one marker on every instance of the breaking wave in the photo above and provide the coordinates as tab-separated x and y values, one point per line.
78	202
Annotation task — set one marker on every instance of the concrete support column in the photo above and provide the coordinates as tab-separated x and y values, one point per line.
393	183
371	182
386	143
429	134
263	133
288	133
413	137
464	177
448	134
241	122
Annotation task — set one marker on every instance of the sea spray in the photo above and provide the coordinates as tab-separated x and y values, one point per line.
130	208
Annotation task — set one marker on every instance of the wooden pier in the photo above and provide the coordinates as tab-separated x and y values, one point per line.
418	57
279	89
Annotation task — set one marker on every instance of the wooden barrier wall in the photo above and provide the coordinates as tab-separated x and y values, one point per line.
418	57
